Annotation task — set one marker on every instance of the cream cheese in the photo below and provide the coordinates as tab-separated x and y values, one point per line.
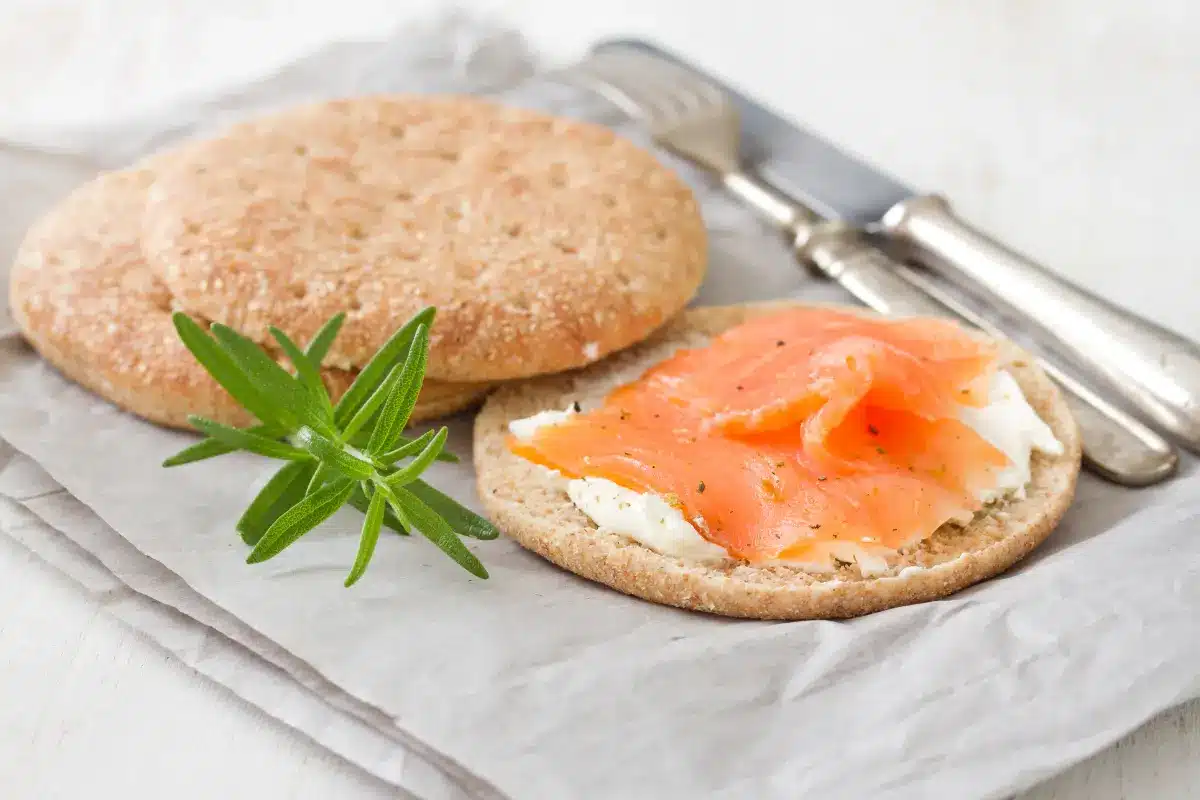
1007	422
525	428
1010	425
647	518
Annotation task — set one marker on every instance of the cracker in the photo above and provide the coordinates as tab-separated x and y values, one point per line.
545	243
531	505
86	300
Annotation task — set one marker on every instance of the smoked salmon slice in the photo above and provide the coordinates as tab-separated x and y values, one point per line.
795	431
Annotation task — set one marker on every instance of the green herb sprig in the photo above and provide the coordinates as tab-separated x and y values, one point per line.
353	452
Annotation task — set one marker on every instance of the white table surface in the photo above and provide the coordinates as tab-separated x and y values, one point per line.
1067	126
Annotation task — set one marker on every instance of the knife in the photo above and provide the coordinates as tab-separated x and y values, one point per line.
1154	369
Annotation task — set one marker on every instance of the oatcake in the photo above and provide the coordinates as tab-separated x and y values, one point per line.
531	504
87	301
545	243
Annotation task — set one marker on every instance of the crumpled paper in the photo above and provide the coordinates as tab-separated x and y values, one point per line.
537	684
35	511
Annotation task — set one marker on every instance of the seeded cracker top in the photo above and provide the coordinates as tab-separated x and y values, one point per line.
544	243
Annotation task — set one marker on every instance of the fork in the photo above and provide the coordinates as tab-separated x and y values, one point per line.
696	121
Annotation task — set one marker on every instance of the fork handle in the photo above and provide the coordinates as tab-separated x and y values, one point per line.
1155	369
1116	446
840	253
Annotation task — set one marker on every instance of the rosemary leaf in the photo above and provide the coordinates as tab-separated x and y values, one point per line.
227	372
464	521
394	505
434	528
285	488
367	410
403	397
306	372
274	381
390	520
321	476
301	518
318	348
334	454
407	448
211	448
360	440
410	471
360	499
242	439
372	523
380	364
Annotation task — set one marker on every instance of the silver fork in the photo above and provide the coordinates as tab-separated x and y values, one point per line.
695	120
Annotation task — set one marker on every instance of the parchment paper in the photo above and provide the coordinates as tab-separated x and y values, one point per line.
536	684
41	516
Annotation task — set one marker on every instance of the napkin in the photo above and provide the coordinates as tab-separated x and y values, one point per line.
536	684
35	511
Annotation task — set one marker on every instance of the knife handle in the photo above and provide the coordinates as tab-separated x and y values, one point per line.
1155	369
1116	446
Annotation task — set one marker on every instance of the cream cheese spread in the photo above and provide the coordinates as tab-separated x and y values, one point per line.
1007	422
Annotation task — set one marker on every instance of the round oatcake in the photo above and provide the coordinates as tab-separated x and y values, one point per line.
545	243
89	304
530	504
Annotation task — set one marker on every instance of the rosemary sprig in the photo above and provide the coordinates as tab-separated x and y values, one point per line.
352	452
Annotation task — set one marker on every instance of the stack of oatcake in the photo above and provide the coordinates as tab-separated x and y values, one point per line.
545	244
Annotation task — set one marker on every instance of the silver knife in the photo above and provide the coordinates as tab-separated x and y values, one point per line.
1156	370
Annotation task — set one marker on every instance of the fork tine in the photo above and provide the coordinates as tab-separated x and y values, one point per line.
703	92
584	75
589	74
639	85
683	82
681	111
664	94
678	92
685	91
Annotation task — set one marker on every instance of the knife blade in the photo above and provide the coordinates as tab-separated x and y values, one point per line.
1154	369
